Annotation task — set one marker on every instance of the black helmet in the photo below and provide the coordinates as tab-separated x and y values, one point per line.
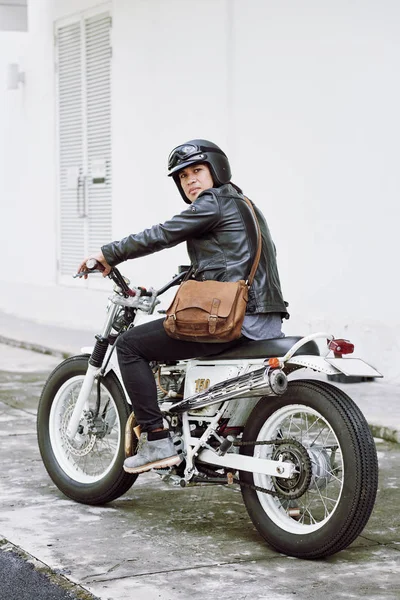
199	151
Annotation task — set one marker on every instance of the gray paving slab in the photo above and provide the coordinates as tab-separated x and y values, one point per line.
159	542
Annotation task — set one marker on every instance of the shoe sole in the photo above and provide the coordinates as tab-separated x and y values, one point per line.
158	464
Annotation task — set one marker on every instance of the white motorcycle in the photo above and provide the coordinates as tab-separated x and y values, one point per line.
300	450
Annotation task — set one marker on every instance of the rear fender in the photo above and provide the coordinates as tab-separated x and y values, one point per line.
316	363
350	367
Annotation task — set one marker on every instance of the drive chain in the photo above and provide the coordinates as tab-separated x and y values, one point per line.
256	488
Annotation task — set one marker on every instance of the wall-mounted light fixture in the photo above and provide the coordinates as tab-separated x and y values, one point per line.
14	76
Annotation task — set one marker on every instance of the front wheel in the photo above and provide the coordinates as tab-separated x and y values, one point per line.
327	502
87	468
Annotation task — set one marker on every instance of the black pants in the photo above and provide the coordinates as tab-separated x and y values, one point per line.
145	343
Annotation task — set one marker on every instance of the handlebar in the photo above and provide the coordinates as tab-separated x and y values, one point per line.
93	265
176	280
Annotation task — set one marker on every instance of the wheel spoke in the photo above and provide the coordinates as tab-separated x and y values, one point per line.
318	503
92	452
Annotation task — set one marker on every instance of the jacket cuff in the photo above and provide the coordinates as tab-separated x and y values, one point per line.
109	254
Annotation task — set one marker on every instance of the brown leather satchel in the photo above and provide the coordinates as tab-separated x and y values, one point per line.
211	311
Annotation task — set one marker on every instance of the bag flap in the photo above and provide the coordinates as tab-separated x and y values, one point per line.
201	294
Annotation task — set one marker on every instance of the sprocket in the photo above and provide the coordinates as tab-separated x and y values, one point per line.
291	450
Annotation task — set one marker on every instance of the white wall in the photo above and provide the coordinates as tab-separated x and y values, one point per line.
28	190
169	86
317	130
13	143
59	9
304	98
27	143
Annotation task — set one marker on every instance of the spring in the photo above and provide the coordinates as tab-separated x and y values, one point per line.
99	352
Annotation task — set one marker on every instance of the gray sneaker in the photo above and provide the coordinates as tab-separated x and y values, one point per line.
152	454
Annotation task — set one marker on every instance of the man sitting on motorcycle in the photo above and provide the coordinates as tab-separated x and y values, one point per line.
221	237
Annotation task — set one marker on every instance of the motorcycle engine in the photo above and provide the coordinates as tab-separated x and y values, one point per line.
170	382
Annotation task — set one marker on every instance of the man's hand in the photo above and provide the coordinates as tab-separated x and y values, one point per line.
100	258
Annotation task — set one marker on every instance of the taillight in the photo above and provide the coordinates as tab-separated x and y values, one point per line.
340	347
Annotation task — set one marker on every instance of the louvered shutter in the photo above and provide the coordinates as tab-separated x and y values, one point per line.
84	126
98	120
70	131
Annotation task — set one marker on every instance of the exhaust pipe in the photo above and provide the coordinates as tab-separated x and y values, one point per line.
263	382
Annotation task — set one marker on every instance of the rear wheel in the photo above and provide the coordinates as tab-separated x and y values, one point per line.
87	468
326	504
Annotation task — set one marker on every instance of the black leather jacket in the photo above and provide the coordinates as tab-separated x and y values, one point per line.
221	239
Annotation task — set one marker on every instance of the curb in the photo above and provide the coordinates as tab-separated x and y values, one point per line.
34	347
388	434
58	579
385	433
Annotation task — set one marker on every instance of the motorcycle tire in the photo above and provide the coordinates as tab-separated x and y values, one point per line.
326	504
88	468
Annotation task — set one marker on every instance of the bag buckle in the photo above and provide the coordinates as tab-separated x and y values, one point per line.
171	322
212	323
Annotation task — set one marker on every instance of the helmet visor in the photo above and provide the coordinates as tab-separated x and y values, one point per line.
183	153
189	153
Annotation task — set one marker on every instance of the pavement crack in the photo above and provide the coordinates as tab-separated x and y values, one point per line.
14	407
376	542
100	578
24	435
114	567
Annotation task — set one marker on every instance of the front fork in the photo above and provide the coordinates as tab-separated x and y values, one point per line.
82	402
94	369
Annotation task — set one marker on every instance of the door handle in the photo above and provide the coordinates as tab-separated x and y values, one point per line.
81	202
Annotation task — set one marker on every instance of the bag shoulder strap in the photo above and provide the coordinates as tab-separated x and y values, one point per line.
258	252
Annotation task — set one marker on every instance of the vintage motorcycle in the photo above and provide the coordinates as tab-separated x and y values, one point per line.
300	450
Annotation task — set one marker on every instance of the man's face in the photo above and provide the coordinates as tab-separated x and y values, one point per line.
194	180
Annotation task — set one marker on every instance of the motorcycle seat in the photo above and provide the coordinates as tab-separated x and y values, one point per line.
246	348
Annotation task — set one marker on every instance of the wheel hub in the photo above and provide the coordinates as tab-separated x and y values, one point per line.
321	467
83	442
295	486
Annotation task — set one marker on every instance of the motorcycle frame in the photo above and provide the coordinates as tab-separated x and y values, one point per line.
199	448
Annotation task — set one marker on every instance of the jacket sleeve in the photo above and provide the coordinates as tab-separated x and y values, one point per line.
198	218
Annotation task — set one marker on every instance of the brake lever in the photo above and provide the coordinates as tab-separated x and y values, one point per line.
82	273
93	266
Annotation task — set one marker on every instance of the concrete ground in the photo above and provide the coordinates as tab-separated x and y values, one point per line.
159	542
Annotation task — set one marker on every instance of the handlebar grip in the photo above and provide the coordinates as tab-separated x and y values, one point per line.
144	292
93	264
